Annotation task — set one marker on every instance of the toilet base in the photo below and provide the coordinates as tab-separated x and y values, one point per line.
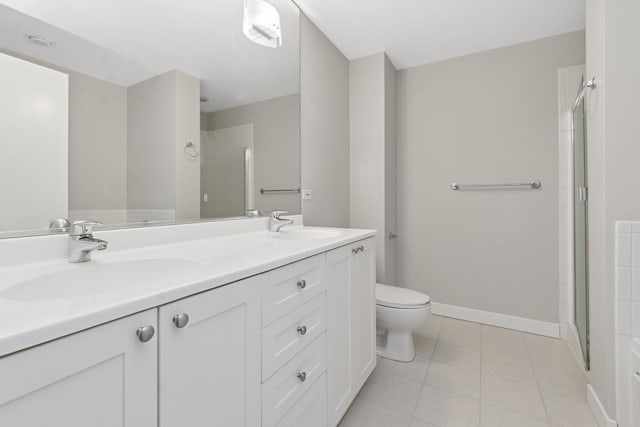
397	346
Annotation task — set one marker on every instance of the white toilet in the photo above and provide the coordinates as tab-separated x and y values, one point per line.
398	312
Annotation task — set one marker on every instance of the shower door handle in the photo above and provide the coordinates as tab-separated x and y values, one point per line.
582	194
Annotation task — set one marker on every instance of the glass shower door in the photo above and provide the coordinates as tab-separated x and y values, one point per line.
580	224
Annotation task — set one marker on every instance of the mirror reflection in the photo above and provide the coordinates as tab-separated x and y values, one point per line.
130	112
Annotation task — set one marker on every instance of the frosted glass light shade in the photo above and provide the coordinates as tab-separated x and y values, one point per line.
261	23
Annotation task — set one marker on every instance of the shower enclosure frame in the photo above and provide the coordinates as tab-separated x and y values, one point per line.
580	195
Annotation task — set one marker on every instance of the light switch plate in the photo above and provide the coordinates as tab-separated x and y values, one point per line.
306	194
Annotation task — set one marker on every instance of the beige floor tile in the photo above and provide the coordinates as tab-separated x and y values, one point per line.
560	376
547	350
454	378
446	409
363	413
461	333
493	416
493	335
416	370
523	380
514	353
503	342
569	414
517	396
563	388
559	363
417	422
453	354
430	328
424	346
392	391
514	368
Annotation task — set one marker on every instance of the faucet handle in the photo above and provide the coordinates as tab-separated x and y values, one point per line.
277	214
59	225
83	227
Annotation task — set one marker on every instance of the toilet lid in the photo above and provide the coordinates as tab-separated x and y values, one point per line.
395	296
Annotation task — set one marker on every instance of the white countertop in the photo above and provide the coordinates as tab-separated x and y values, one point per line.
220	260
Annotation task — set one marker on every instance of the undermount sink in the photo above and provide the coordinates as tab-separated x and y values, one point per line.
305	233
95	278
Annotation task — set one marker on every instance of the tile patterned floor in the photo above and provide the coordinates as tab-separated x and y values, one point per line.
467	374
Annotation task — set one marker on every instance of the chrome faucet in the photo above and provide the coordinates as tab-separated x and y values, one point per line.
276	223
82	241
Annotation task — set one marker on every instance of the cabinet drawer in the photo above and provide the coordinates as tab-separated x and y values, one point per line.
311	409
285	387
288	287
286	336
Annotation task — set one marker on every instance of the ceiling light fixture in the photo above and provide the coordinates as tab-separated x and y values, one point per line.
261	23
40	41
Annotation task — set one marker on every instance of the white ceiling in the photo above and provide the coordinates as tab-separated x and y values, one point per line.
415	32
126	41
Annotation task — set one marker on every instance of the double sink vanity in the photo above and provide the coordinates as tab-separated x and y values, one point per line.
216	323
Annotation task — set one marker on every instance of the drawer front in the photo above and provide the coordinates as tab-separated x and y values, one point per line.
290	286
286	336
311	409
286	386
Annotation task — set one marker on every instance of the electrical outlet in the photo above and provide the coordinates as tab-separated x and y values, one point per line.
306	194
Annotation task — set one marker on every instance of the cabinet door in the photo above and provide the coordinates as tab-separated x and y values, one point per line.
363	307
210	366
104	376
339	370
351	324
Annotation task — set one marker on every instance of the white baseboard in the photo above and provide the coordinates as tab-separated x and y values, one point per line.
496	319
599	413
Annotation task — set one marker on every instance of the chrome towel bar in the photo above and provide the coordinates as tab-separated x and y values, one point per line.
280	191
534	185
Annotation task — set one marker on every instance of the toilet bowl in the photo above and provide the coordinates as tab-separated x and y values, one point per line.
399	311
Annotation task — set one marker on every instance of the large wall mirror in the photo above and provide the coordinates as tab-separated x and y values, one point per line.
140	112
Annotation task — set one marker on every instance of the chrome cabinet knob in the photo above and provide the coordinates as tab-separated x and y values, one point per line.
145	333
302	376
361	248
181	320
302	330
302	284
355	250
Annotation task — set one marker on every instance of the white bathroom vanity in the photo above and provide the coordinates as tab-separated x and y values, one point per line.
206	324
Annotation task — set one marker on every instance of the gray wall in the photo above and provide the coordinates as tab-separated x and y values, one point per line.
163	113
324	105
276	126
97	140
222	176
151	167
367	150
97	144
187	123
483	118
372	142
613	153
